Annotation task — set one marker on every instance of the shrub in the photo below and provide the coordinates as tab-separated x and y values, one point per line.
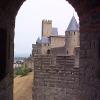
23	70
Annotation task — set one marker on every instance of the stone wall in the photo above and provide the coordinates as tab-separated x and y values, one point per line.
77	55
89	15
57	41
72	40
8	11
6	56
58	51
90	50
90	67
55	82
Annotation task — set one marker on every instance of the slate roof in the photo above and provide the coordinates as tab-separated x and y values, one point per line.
54	31
38	40
45	40
73	25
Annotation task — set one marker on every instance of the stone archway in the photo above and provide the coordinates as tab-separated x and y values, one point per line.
89	14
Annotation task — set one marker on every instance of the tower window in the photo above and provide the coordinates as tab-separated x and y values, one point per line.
48	51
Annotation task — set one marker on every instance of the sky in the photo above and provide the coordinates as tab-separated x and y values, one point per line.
29	20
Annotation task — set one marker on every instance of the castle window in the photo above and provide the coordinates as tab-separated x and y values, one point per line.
48	51
74	33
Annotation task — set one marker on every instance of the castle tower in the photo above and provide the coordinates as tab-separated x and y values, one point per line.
72	39
46	28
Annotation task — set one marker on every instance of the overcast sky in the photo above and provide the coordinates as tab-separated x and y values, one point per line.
29	19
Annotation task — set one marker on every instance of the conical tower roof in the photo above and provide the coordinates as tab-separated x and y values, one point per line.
38	40
73	25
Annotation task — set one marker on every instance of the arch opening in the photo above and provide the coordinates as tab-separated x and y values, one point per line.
89	27
55	19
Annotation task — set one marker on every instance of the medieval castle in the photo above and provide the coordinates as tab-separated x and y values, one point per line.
64	80
57	45
56	62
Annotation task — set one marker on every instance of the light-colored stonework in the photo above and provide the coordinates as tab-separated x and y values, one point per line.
72	37
50	40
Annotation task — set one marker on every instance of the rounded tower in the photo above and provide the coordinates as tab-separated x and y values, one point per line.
72	35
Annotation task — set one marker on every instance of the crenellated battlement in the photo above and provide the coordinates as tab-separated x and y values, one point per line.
46	27
47	21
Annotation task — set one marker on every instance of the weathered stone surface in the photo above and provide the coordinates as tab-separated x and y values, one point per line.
8	11
89	15
55	82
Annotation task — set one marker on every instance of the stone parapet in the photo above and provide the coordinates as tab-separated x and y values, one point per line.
55	82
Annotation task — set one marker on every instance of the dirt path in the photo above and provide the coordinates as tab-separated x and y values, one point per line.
23	87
